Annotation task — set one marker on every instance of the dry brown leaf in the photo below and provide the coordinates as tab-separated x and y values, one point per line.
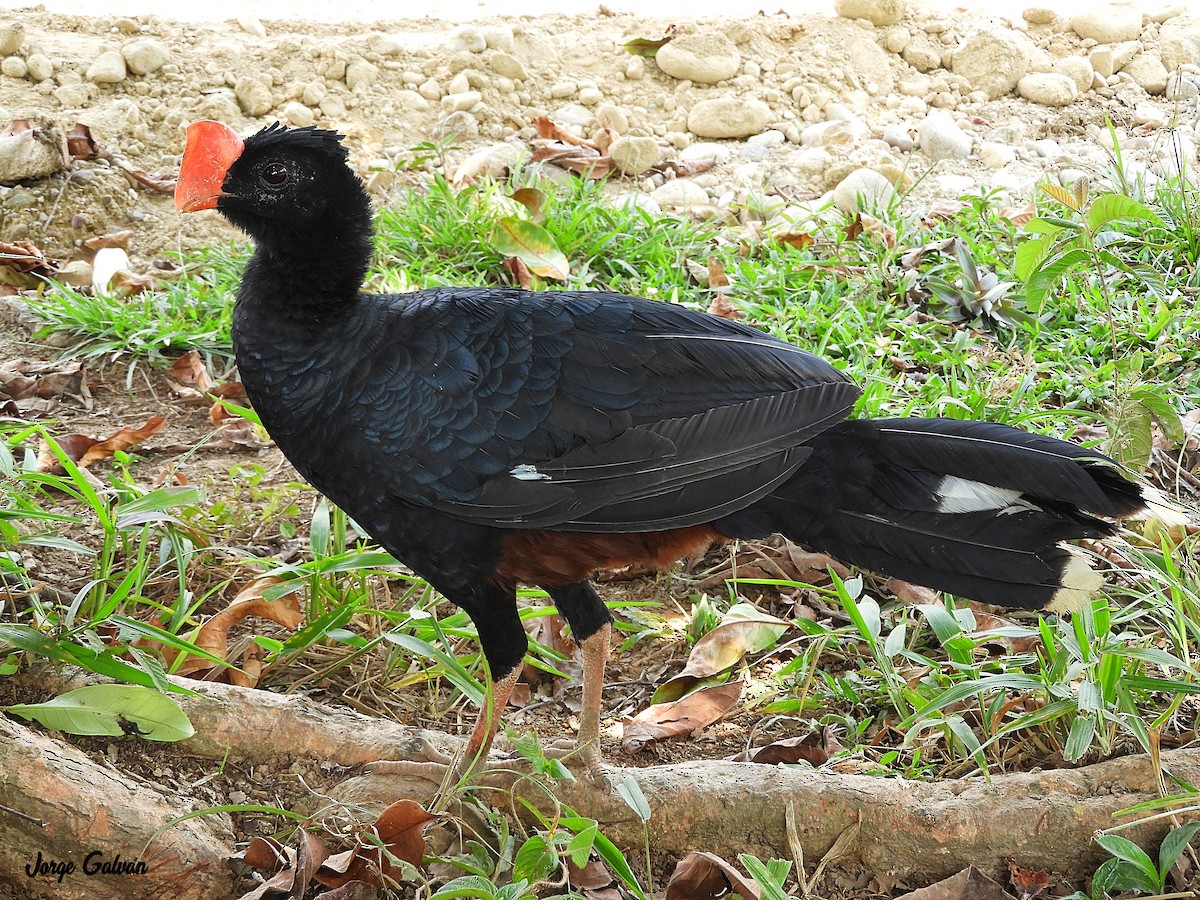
190	372
24	380
548	130
969	884
593	876
1029	883
122	440
264	853
1019	215
162	183
720	649
797	239
232	392
84	450
942	208
533	200
986	622
401	829
519	272
877	229
81	144
213	635
551	631
705	876
355	890
721	306
25	258
912	594
118	239
664	721
814	749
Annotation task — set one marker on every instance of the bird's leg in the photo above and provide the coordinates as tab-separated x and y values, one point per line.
438	766
595	657
591	625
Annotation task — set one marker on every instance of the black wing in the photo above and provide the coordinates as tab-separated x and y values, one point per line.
584	411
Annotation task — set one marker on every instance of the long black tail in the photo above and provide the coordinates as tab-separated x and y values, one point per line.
980	510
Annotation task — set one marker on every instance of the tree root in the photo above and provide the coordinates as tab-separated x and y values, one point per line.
1043	820
65	814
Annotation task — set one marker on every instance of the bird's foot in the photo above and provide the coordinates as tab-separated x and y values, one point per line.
576	755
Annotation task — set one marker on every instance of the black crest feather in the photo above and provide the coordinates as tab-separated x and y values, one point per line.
319	139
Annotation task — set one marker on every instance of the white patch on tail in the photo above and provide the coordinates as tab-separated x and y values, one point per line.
1160	508
1079	582
961	495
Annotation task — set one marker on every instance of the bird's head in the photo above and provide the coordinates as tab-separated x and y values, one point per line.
279	181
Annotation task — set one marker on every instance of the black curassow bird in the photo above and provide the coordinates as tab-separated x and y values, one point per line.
490	437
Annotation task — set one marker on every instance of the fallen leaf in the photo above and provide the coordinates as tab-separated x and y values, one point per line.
649	46
878	230
231	392
400	829
26	259
80	142
122	440
912	594
533	200
797	239
942	208
815	748
213	635
591	877
519	272
1029	883
84	450
162	183
189	370
533	245
743	630
551	631
24	380
117	239
355	890
969	884
987	625
705	876
547	129
664	721
1019	215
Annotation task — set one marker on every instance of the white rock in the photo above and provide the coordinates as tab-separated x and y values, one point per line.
107	263
1039	15
499	37
703	150
941	138
728	117
108	68
493	161
40	66
1077	69
633	154
360	73
250	24
430	90
679	193
705	58
862	189
145	55
13	67
1179	86
877	12
992	61
385	44
1149	114
298	114
1148	73
996	156
955	185
12	36
900	137
1048	89
507	65
1108	23
773	137
1179	42
469	38
462	101
253	96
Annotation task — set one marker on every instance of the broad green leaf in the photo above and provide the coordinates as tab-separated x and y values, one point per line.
607	851
1043	279
631	792
1130	436
1111	207
533	245
536	859
1174	844
769	877
1129	852
466	886
579	848
1079	740
1067	198
646	46
97	709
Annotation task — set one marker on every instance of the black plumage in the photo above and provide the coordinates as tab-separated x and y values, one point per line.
489	437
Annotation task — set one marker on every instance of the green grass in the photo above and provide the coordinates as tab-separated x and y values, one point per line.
1098	328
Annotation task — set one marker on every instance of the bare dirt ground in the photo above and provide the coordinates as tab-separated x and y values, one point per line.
787	107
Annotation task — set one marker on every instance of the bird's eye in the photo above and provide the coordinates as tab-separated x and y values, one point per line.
275	174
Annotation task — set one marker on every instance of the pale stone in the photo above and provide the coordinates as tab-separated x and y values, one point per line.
145	56
253	96
728	117
991	61
634	155
1148	72
1108	24
298	114
941	138
704	58
877	12
108	68
863	189
1048	89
